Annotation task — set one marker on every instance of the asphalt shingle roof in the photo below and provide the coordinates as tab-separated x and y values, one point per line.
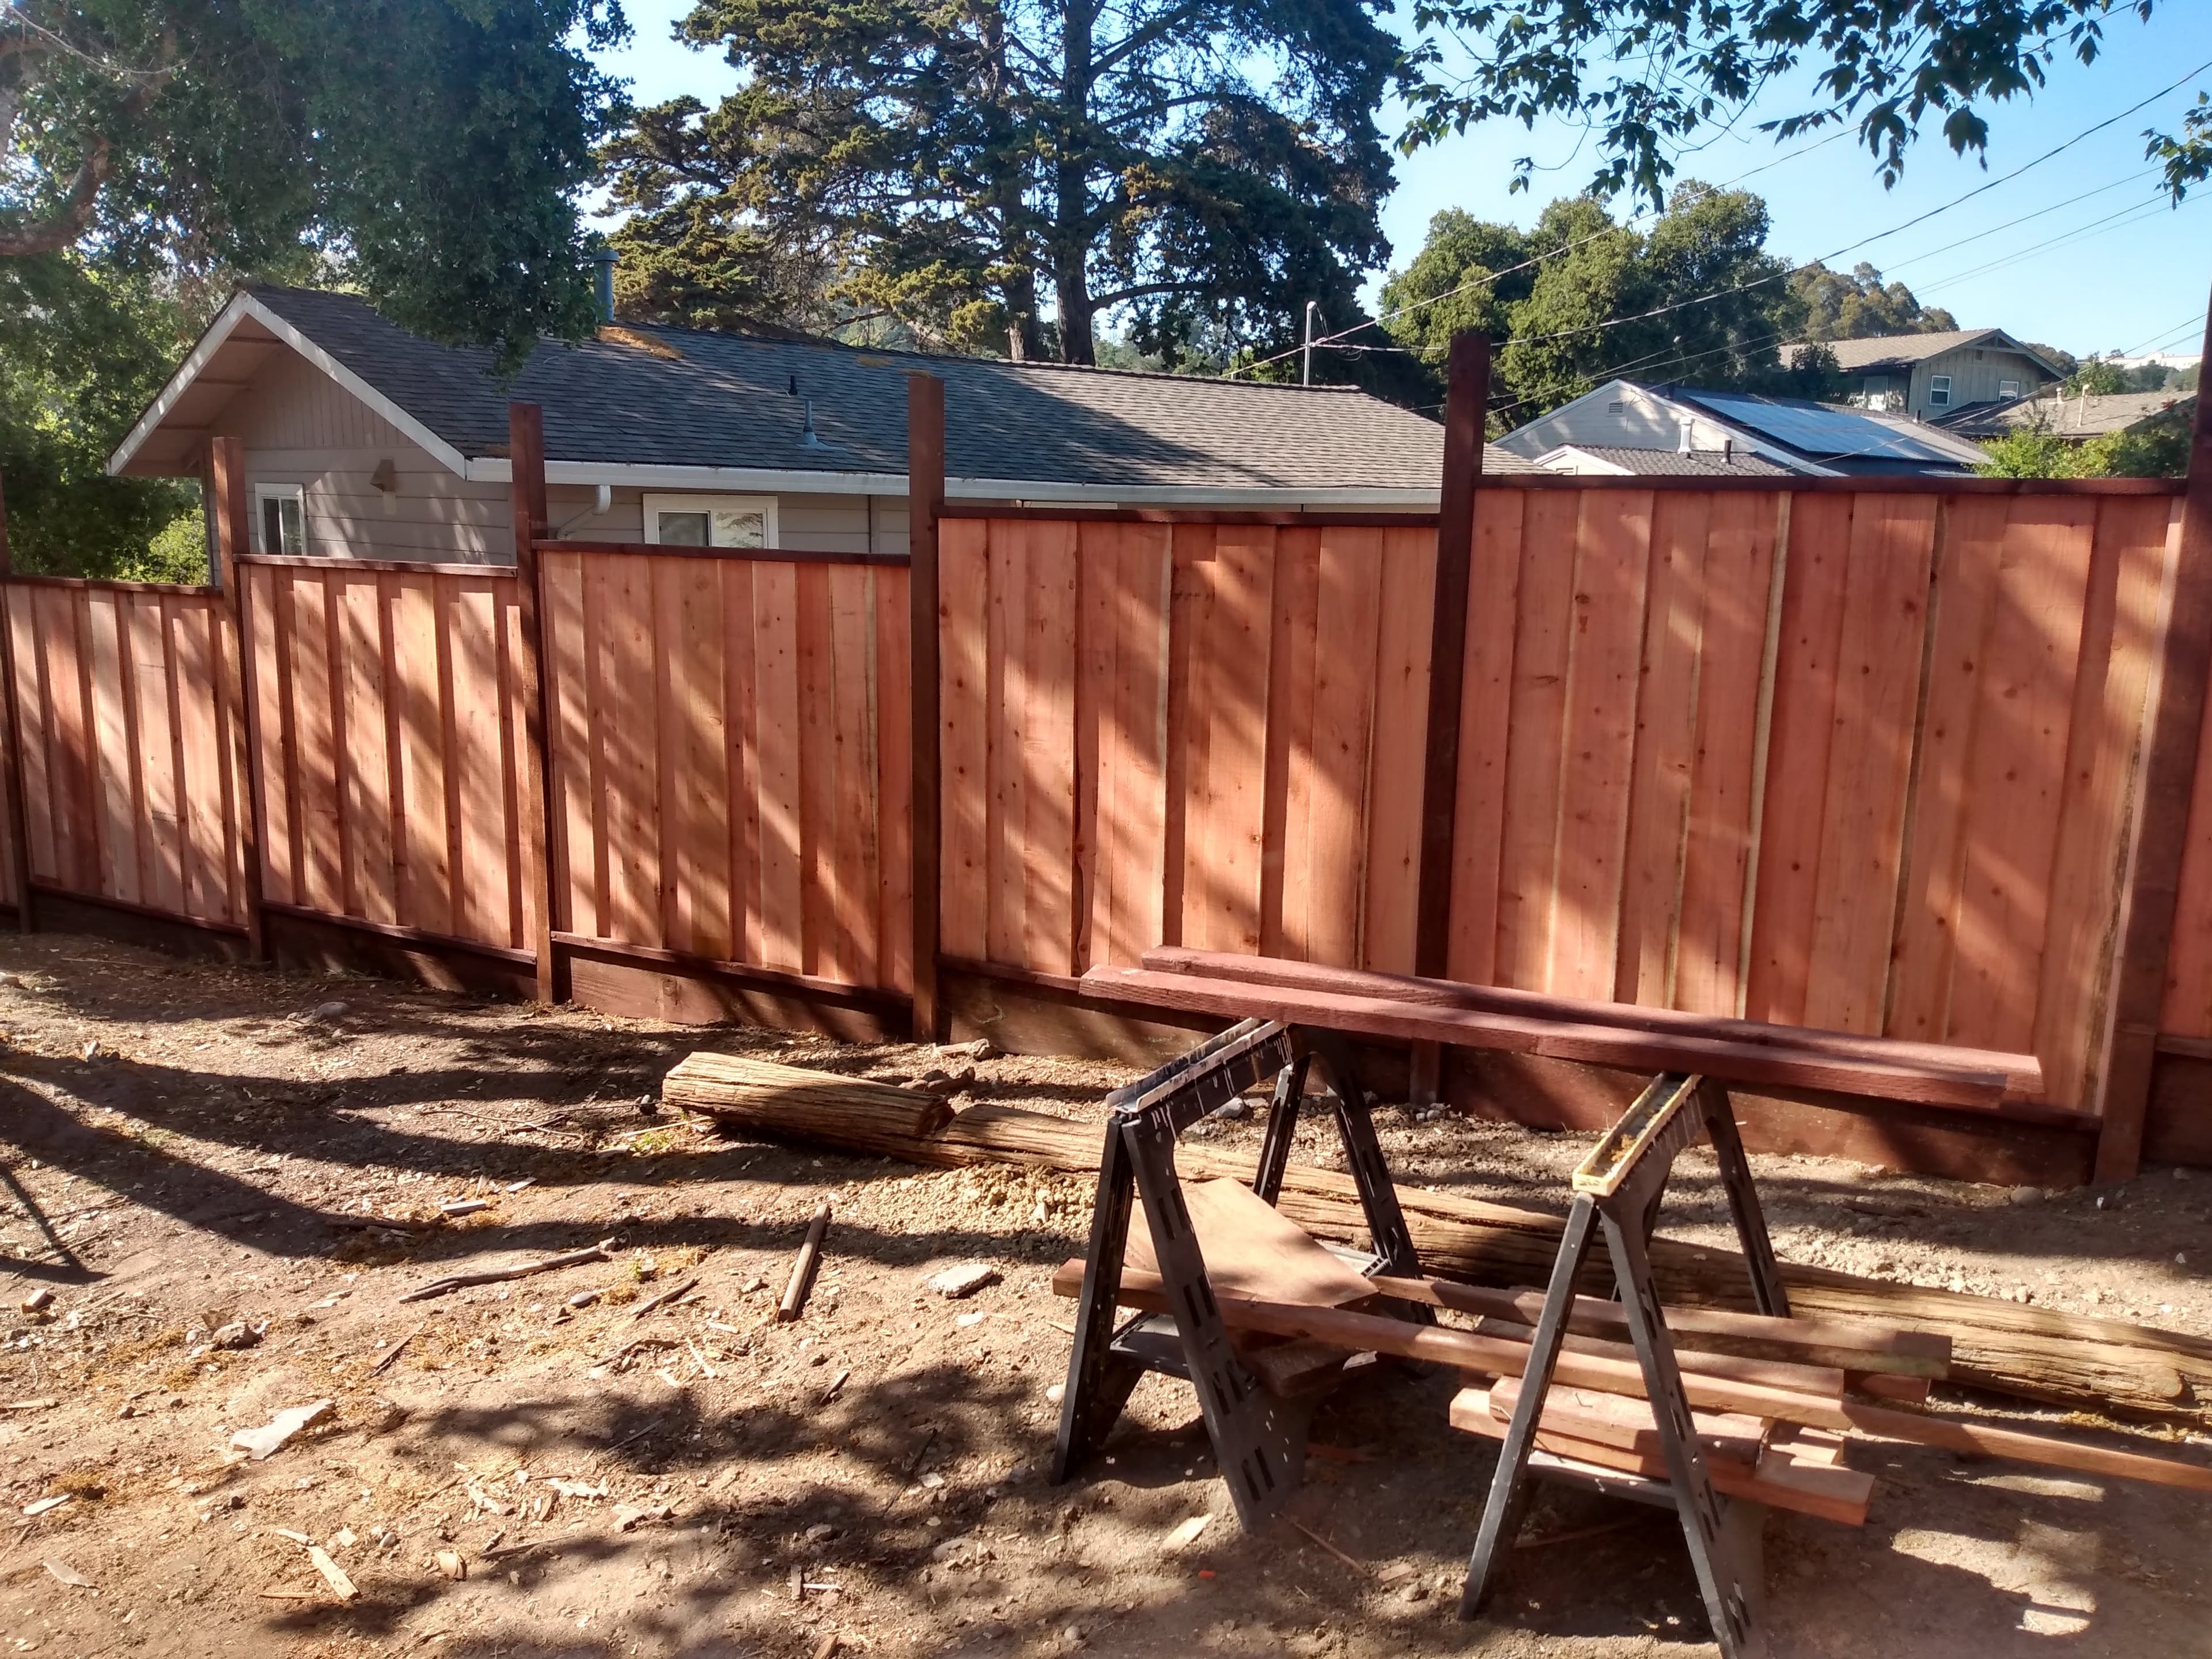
645	395
1880	351
1673	464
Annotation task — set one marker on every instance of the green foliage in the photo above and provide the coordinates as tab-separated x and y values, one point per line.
81	351
1544	294
2030	453
1004	176
178	553
1859	306
2064	361
429	150
2158	449
2100	379
1646	74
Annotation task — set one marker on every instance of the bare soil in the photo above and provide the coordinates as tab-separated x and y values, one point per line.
189	1148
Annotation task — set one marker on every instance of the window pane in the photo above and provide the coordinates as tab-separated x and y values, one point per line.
742	527
683	529
272	525
295	526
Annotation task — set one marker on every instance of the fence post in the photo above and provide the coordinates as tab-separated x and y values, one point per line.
526	449
2168	778
18	832
1466	400
233	531
925	463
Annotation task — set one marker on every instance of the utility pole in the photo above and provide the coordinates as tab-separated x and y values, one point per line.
1305	356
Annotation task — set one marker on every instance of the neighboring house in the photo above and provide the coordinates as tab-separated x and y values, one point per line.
1928	375
364	441
1622	427
2076	419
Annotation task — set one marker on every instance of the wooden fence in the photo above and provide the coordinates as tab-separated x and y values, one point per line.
1887	756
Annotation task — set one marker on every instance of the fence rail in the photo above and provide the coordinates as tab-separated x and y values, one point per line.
1879	756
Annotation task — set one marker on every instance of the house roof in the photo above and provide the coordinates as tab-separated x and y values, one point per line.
1903	350
2093	416
644	404
1835	436
1669	463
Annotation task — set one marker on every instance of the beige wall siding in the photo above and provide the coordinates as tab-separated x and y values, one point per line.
1976	372
1631	421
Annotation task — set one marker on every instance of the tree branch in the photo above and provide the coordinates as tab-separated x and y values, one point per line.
67	222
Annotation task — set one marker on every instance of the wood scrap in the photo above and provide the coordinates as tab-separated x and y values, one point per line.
804	1269
2087	1364
391	1354
334	1574
602	1251
661	1299
1493	1356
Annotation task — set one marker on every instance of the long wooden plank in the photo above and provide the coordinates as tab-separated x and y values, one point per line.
1879	661
77	833
1745	1064
1800	733
199	746
741	697
821	945
1612	541
111	750
630	729
316	721
1484	734
1734	636
1398	755
698	676
967	715
668	747
1528	863
852	903
1132	783
2019	778
371	881
1664	758
1006	681
29	660
533	833
1361	1332
2021	1071
162	836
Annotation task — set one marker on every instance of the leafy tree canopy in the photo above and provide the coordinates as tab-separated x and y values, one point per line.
430	151
2157	450
1003	175
1860	306
1646	74
1581	299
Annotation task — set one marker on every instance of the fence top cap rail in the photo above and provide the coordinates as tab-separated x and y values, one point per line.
749	554
116	584
394	567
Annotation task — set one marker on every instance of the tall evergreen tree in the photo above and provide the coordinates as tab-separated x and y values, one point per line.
1002	174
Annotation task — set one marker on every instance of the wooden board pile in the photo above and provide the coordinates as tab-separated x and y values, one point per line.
2101	1366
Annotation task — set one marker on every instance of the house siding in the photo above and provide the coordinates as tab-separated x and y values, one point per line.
300	426
1641	424
1976	372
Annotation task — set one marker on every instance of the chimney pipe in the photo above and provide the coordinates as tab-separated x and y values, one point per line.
603	284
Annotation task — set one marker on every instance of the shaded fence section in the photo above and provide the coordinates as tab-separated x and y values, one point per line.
126	697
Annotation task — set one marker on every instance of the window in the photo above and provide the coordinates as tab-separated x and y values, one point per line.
280	517
2008	388
1939	391
711	520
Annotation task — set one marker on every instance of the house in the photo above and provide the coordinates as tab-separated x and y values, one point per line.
363	439
1626	428
1926	374
2077	419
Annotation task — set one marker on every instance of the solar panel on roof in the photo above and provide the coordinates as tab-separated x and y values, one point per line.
1815	429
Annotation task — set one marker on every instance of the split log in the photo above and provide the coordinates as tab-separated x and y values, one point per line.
2088	1365
791	1100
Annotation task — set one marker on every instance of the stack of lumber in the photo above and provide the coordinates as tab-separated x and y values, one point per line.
2101	1366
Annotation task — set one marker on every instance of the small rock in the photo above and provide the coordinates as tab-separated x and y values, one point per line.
235	1337
381	1416
980	1048
38	1301
2027	1194
1057	1392
450	1564
628	1515
821	1533
1185	1533
967	1319
965	1281
2181	1258
323	1013
1394	1573
1415	1591
266	1441
583	1298
1072	1633
92	1049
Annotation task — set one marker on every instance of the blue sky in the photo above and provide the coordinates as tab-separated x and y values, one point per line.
2059	277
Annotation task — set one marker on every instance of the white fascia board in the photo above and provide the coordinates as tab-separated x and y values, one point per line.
497	469
243	306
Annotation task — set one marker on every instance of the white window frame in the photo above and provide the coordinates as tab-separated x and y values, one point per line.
2008	388
1939	391
654	506
279	492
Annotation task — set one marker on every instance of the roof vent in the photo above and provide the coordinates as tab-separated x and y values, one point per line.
808	437
1684	447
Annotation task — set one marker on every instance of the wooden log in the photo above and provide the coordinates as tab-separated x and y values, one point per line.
793	1101
2023	1073
1748	1065
804	1269
2088	1365
1493	1356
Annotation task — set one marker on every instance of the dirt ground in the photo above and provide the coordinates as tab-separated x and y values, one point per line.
190	1153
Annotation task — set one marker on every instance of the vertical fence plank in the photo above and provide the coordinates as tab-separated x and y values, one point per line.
569	691
371	880
1397	827
1229	688
1006	796
1528	860
19	846
776	666
483	830
236	689
925	451
969	713
1287	869
265	752
425	874
1485	732
741	697
852	831
164	834
1613	550
111	750
1045	856
894	758
700	798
